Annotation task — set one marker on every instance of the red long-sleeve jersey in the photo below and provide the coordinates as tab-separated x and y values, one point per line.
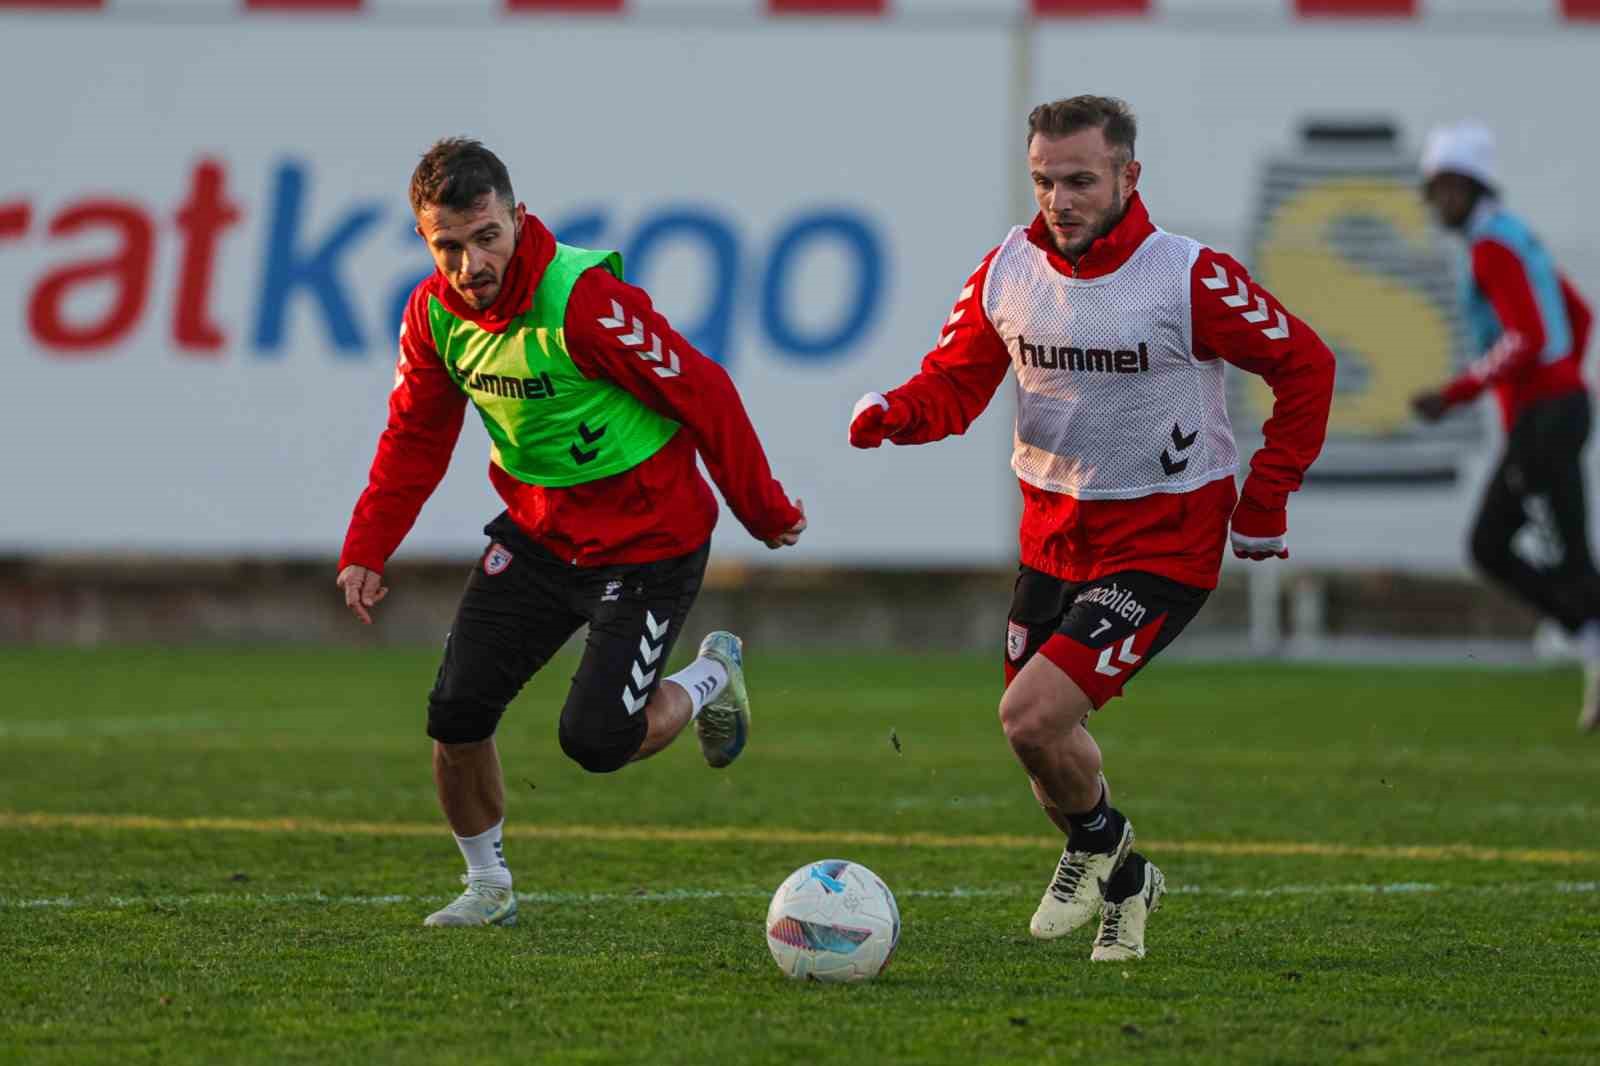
1513	365
656	510
1176	535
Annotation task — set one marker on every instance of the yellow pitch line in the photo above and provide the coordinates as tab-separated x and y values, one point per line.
732	835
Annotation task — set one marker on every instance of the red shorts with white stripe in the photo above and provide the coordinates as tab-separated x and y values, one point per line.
1100	633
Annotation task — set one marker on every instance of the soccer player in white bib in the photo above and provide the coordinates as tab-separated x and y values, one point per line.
1118	333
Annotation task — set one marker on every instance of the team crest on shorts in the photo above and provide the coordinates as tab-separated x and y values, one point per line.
1016	640
496	559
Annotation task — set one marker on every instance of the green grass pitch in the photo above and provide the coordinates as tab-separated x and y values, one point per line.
224	855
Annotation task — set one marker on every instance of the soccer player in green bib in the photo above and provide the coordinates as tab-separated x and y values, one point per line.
596	409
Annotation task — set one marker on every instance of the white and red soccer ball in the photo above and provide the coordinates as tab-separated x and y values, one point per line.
833	920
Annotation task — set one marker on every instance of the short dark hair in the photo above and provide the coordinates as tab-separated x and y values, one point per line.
455	173
1113	117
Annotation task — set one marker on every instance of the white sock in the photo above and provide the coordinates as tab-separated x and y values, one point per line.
1588	641
485	856
703	680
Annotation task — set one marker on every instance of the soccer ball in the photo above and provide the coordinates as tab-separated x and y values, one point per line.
833	920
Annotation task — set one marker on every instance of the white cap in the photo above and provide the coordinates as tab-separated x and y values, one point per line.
1461	148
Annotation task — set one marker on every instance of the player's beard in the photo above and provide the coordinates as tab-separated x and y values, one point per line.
1107	223
482	301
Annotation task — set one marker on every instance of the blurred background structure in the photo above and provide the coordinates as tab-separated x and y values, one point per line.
205	243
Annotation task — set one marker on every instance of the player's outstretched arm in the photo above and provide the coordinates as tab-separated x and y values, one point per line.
425	414
665	372
1500	273
1236	319
956	383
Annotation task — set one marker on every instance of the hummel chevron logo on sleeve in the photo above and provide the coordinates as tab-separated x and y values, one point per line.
647	347
956	315
1240	298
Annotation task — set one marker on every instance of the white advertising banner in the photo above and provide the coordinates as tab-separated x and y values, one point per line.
205	242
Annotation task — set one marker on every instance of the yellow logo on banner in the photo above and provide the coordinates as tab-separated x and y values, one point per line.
1392	339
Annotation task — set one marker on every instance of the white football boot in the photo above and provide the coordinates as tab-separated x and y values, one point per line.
1121	935
1589	712
1079	886
723	725
1588	642
481	904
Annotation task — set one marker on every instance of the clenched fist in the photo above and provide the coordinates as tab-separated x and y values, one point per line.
873	421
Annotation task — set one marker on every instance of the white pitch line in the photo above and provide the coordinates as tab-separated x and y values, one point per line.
259	899
780	835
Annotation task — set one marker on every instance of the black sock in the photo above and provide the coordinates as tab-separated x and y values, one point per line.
1098	829
1128	881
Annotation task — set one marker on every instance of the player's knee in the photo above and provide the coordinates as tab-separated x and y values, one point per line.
598	750
453	755
462	721
1029	723
1036	717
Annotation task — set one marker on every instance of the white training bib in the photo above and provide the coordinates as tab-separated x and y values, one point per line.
1111	402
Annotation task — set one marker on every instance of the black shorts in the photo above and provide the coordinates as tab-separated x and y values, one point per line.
522	604
1100	633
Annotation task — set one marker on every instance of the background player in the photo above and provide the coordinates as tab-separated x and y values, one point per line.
1118	332
1531	326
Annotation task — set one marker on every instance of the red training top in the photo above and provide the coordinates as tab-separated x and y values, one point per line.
1513	366
1180	536
657	510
